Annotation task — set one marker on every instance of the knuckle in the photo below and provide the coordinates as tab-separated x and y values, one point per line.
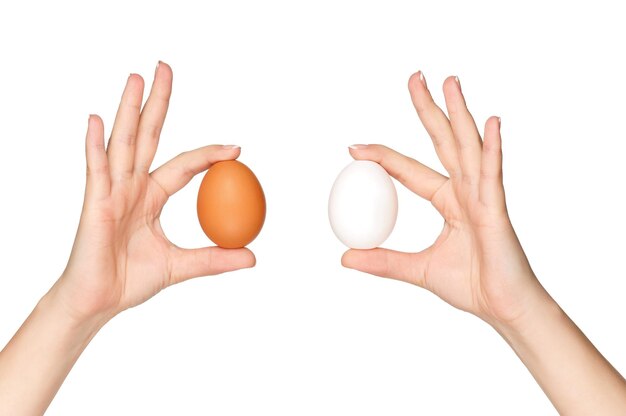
469	180
465	143
436	138
154	130
97	170
126	138
420	106
491	148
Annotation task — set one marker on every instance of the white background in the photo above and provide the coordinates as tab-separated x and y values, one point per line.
294	84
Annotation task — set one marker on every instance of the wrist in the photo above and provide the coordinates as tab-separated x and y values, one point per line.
541	309
55	304
574	375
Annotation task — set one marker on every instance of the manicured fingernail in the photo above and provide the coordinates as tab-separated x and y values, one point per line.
157	67
499	122
230	146
358	146
422	79
457	82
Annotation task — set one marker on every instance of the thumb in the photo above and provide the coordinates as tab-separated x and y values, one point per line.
408	267
190	263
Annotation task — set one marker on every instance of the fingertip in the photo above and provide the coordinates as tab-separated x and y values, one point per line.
251	258
451	83
348	259
94	118
238	258
219	152
163	77
343	258
95	129
416	80
356	150
493	121
492	132
90	121
231	151
231	147
372	152
164	69
135	79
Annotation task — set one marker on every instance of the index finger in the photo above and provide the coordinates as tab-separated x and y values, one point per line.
176	173
409	172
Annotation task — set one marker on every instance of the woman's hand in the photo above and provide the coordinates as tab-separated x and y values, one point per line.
477	263
121	257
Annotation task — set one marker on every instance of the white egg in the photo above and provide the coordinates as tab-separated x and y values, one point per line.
363	205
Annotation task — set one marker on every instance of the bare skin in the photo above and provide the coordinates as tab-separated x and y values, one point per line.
477	263
121	257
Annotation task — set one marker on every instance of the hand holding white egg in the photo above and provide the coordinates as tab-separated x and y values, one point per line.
363	205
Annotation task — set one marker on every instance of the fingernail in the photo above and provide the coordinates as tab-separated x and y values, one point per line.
499	122
358	146
422	79
157	67
457	81
230	146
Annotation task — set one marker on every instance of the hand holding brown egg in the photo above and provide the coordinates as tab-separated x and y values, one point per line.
121	256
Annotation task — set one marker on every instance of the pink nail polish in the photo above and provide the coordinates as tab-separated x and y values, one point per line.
357	146
230	146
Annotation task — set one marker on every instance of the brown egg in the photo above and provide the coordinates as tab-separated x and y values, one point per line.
231	204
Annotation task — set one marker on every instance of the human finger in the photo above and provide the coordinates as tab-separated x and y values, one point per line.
153	117
121	147
466	136
408	267
176	173
419	178
190	263
98	177
491	188
435	122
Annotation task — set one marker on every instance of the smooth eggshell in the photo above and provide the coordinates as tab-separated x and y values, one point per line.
231	204
363	205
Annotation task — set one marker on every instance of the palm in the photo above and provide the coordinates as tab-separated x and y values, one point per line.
121	257
476	264
451	268
141	250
